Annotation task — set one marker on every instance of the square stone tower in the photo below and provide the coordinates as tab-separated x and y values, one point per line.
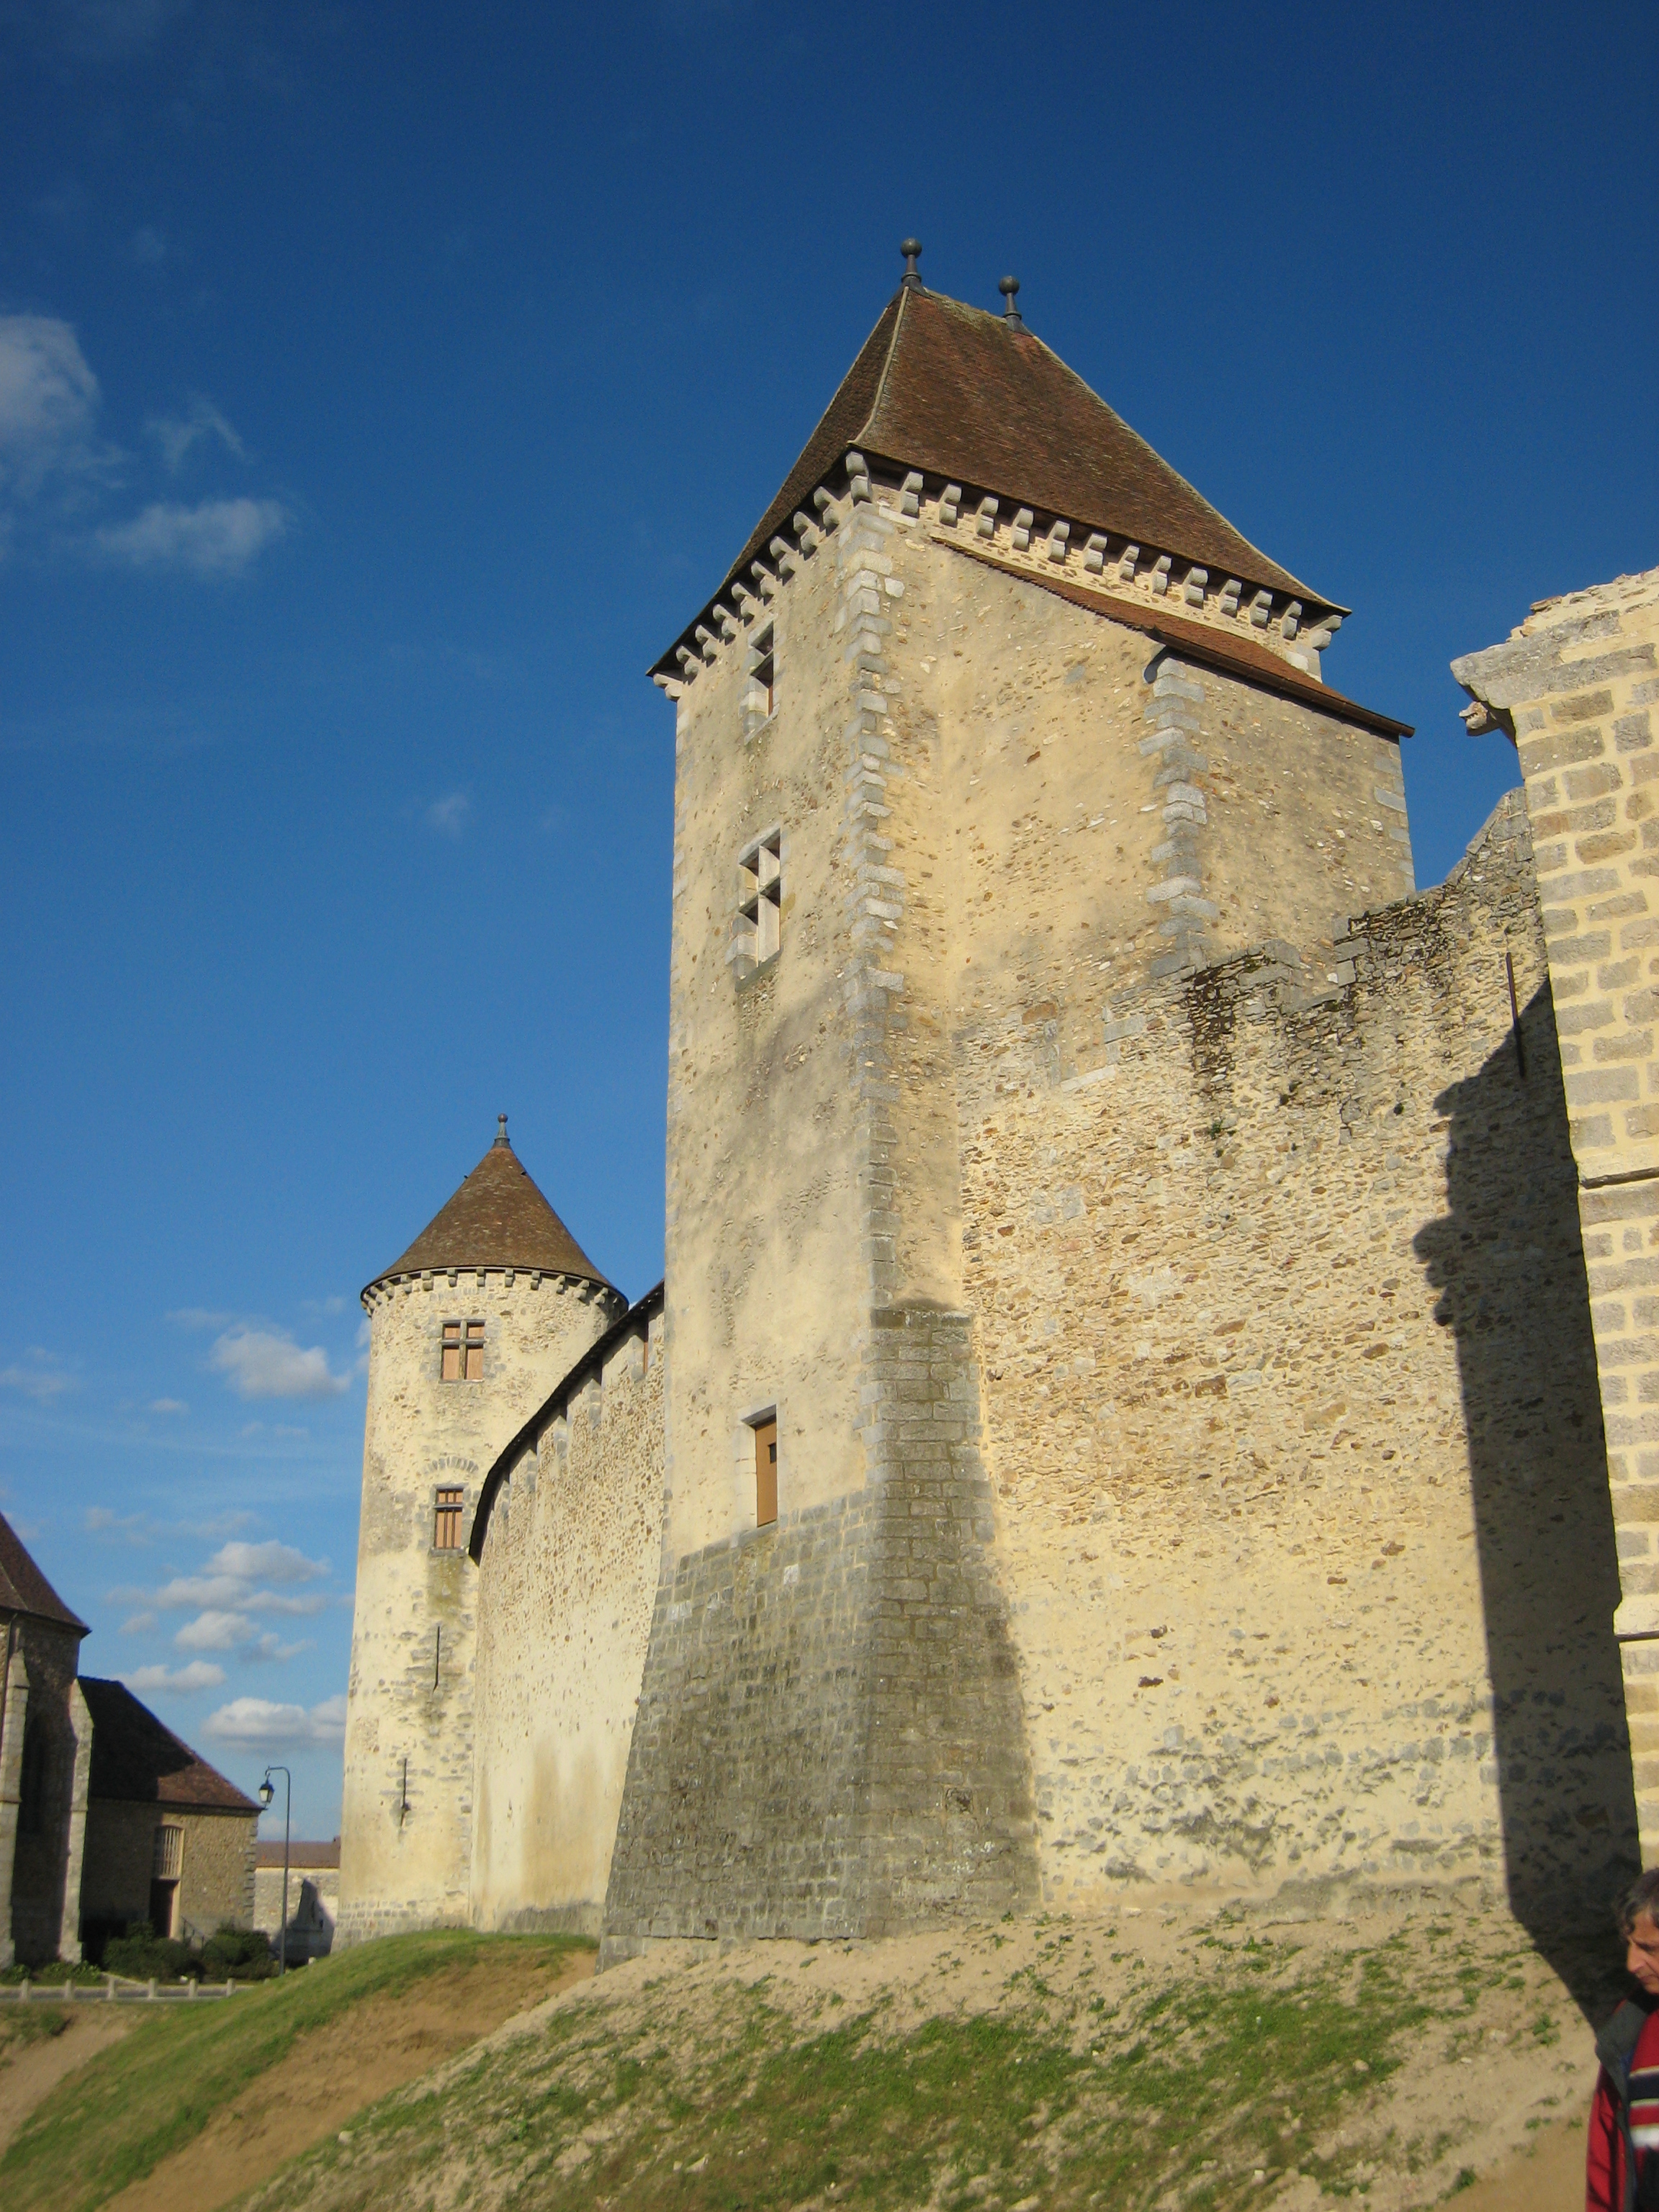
994	720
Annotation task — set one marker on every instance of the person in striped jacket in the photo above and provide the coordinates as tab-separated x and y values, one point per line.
1622	2168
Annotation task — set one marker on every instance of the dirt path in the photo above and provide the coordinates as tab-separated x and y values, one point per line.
28	2071
1547	2177
331	2074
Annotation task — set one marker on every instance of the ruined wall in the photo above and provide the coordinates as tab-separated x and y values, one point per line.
1575	687
1292	1409
567	1576
406	1826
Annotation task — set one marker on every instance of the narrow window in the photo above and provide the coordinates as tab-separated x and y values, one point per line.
766	1472
166	1860
452	1368
446	1521
763	678
31	1790
760	896
473	1350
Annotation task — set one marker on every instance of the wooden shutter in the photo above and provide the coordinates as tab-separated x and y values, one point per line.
766	1472
451	1367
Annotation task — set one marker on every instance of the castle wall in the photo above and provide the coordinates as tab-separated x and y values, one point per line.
567	1575
1292	1407
1576	686
407	1817
39	1696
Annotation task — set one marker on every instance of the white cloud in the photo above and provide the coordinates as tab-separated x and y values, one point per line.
48	399
200	1317
139	1625
215	538
266	1563
199	1674
176	434
449	817
215	1632
266	1363
257	1724
168	1406
41	1379
272	1646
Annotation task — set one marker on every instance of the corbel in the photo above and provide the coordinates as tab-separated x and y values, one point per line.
986	525
730	627
1125	565
689	661
1192	589
1230	592
1160	575
1291	620
807	534
707	644
910	493
784	554
1023	522
825	499
1057	540
950	505
1094	554
858	477
1261	609
767	581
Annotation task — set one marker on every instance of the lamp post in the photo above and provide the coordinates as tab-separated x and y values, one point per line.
267	1791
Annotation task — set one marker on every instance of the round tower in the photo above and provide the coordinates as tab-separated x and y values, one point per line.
469	1333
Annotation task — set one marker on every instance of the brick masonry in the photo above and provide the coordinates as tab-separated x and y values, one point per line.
1575	687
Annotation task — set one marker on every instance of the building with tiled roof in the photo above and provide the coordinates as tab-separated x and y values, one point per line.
1121	1408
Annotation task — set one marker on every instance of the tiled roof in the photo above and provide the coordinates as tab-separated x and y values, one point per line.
974	398
497	1218
299	1856
24	1588
138	1760
1236	654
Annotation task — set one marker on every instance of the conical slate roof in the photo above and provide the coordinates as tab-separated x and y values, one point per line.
497	1218
978	399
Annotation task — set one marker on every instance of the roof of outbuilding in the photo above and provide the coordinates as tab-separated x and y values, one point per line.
979	399
138	1760
497	1218
24	1588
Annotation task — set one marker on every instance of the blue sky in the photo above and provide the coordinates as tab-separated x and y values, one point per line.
380	388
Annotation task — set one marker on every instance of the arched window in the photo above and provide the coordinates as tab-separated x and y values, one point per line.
31	1793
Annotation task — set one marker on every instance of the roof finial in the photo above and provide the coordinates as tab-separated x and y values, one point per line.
1008	286
911	249
501	1137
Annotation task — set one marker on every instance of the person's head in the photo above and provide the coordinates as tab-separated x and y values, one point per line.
1637	1913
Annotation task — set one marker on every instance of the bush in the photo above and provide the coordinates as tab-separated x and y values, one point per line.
238	1955
142	1955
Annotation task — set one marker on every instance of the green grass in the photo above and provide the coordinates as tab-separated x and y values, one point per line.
735	2105
150	2094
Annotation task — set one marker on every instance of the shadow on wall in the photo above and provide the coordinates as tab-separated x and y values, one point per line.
1507	1261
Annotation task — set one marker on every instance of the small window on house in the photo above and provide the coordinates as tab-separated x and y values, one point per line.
447	1520
760	896
168	1854
463	1359
763	679
766	1472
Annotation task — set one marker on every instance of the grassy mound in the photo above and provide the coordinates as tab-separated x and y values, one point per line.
1074	2068
134	2104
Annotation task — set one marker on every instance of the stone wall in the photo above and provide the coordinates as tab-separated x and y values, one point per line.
568	1554
830	1740
406	1828
1292	1408
39	1697
1575	687
215	1880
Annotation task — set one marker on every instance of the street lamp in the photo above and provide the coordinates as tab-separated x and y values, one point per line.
267	1791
